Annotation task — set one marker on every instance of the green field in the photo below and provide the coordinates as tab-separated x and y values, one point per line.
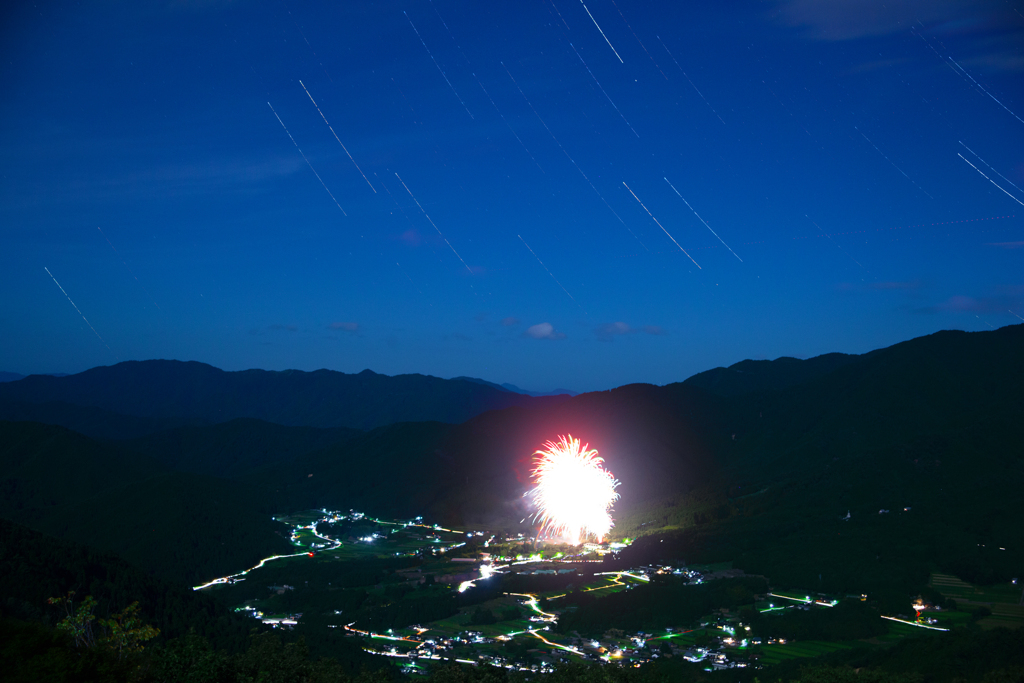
773	654
1003	600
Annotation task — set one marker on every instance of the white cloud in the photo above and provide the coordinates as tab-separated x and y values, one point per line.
543	331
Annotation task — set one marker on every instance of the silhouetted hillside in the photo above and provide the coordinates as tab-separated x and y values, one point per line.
35	567
181	526
753	376
397	470
656	440
197	392
505	386
43	467
93	422
231	449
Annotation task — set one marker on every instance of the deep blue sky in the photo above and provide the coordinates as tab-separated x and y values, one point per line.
142	165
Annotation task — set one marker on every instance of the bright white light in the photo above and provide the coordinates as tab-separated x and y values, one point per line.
574	492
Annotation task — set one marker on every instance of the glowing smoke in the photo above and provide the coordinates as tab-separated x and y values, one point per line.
574	492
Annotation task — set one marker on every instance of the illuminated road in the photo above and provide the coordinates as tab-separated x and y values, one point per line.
231	577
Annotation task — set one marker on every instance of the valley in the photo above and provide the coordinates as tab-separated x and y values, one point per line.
423	595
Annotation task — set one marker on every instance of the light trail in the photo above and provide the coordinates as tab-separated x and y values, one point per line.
912	623
438	65
602	89
567	648
549	272
990	180
571	160
511	130
638	39
691	82
309	527
79	311
409	278
890	161
227	579
432	223
450	34
992	169
661	226
829	237
148	295
532	604
307	160
337	138
985	91
701	219
379	636
806	600
669	636
617	581
559	15
601	32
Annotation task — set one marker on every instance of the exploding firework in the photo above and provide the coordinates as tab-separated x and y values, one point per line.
574	492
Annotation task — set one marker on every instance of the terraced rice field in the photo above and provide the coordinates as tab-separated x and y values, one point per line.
773	654
1003	599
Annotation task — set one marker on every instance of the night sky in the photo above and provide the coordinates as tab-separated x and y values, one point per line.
485	223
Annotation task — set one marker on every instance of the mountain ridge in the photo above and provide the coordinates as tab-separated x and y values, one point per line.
191	392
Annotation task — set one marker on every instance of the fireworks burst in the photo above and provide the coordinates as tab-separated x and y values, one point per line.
574	492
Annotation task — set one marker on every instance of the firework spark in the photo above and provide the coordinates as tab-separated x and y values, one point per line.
574	492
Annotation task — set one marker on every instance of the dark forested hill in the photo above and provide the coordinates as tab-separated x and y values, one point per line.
752	376
231	449
35	567
95	422
179	525
43	467
191	391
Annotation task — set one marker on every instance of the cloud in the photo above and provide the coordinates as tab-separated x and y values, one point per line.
344	327
609	331
1005	245
285	328
543	331
510	321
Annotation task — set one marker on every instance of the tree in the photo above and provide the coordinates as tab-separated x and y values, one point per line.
77	621
124	634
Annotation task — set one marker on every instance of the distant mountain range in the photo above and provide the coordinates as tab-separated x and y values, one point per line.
516	390
158	394
14	376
